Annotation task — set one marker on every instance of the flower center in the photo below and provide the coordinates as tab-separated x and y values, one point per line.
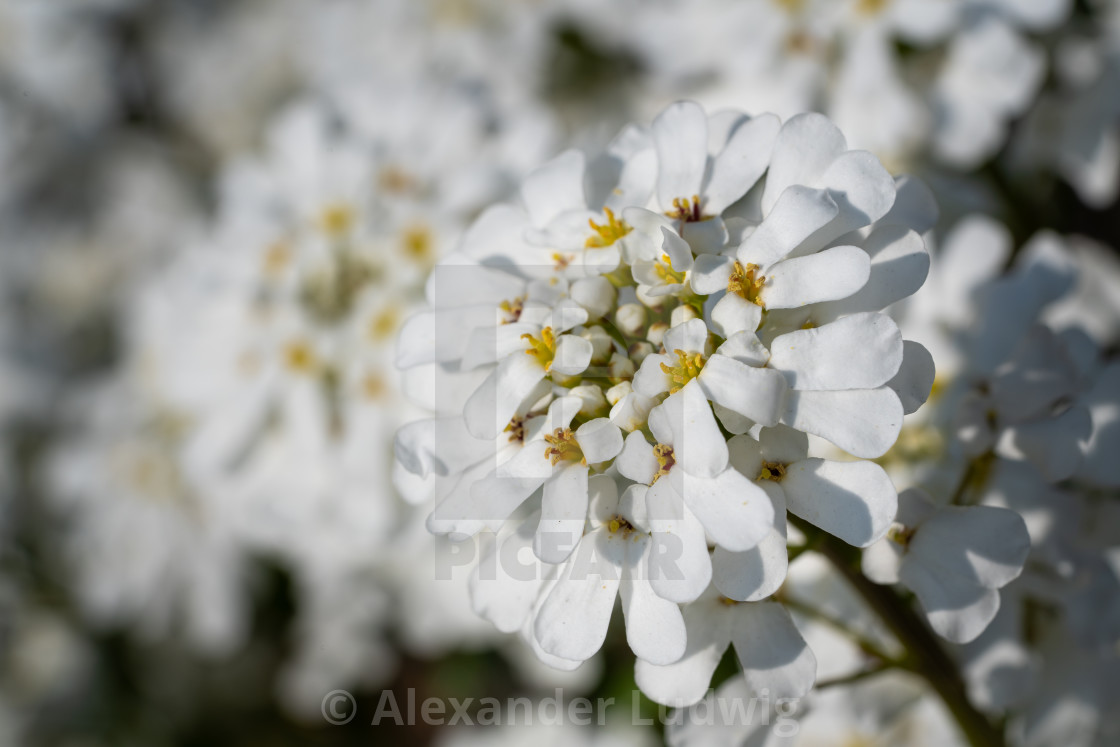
687	209
329	294
276	258
619	524
871	7
562	447
900	534
512	309
562	261
606	233
543	348
665	271
417	242
773	471
336	220
516	429
744	282
665	461
687	369
299	357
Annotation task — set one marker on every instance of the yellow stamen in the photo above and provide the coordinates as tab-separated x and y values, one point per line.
543	349
562	261
687	209
606	233
516	429
512	309
299	357
900	534
665	461
773	471
384	324
685	371
727	601
374	386
563	447
418	242
665	271
744	282
871	7
337	220
276	258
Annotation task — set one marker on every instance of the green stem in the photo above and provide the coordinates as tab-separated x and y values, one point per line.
924	653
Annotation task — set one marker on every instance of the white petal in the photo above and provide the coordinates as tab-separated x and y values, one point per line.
572	355
825	276
733	314
637	462
755	393
554	188
863	422
783	444
1055	446
981	545
735	512
686	681
686	418
654	626
854	501
914	380
680	253
745	348
862	351
756	573
680	135
798	214
957	612
494	403
505	583
775	657
596	295
650	379
882	561
679	567
741	162
899	266
690	337
864	191
805	147
707	236
599	439
710	273
563	514
572	622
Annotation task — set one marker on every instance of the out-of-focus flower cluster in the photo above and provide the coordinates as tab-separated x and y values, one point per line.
387	345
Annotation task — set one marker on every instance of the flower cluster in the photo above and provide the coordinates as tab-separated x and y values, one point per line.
649	349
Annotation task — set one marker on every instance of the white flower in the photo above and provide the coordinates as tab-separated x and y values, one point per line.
955	558
610	561
772	653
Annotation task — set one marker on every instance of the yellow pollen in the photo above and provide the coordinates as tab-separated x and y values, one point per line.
373	386
727	601
773	471
299	357
665	271
417	242
395	180
871	7
512	309
543	349
337	220
744	282
900	534
516	429
687	369
606	233
563	447
276	258
665	461
619	524
562	261
687	210
384	324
